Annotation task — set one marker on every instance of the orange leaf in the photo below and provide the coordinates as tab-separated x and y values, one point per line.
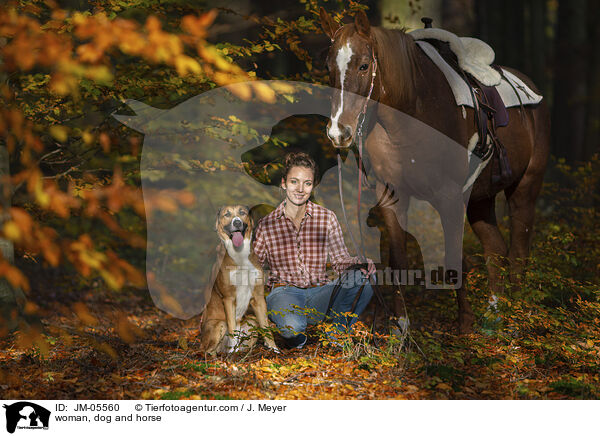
84	314
14	275
105	142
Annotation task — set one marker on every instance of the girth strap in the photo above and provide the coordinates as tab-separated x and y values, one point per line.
487	120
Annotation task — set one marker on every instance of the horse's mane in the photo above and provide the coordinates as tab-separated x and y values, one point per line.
397	58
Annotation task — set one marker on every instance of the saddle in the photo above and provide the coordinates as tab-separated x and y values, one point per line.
490	111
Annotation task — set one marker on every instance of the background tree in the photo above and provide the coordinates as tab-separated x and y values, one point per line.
74	175
571	81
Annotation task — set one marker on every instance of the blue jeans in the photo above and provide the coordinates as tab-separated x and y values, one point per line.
292	308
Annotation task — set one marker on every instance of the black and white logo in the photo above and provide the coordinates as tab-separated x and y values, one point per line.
26	415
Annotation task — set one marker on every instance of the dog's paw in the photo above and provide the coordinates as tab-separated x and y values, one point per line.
271	346
211	351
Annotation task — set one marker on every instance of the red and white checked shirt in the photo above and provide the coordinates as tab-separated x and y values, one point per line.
299	257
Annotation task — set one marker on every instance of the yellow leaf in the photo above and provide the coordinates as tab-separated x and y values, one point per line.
242	90
284	88
12	231
63	84
264	92
211	55
100	74
41	196
87	137
111	280
444	387
84	314
590	343
185	64
60	133
88	258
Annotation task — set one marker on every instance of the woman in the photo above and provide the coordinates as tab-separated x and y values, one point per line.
296	239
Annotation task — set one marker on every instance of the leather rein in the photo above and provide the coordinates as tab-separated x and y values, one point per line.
361	172
359	134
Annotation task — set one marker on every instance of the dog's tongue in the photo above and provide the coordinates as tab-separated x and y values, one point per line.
237	239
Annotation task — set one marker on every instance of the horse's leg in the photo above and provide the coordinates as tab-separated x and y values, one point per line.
522	209
521	200
482	218
452	215
395	222
521	196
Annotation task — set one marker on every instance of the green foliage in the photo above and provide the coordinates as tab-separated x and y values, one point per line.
202	367
575	388
445	374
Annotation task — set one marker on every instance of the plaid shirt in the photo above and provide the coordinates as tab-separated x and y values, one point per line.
299	257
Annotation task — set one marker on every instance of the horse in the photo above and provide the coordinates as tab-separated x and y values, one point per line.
386	68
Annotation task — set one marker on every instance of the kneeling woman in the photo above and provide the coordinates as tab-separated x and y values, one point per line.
296	239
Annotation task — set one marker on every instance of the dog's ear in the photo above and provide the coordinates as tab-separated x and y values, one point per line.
250	220
217	221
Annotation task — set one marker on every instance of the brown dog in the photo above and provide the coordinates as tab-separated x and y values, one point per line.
239	283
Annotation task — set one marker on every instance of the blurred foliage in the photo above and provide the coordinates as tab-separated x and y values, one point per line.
75	176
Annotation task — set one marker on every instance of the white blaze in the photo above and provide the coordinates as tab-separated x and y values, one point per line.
342	59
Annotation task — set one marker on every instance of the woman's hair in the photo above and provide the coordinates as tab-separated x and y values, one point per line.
299	159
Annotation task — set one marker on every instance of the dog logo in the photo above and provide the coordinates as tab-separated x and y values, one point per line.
202	147
26	415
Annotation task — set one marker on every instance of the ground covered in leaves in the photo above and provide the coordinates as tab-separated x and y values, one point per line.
542	342
124	348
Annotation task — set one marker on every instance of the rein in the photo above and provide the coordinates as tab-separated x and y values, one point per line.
359	133
361	119
361	172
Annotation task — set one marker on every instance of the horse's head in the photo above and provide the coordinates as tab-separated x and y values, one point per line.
352	65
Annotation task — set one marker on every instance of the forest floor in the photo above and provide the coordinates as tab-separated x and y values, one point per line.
120	346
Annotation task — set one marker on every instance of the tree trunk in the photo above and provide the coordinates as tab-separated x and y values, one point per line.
570	81
458	16
592	134
538	23
11	300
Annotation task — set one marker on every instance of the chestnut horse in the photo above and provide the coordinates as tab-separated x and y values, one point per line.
389	67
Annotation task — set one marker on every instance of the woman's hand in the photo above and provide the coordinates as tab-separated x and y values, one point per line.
371	268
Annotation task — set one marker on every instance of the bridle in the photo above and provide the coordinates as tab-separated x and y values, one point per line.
361	172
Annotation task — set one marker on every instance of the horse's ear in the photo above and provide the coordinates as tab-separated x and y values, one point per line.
328	24
363	27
